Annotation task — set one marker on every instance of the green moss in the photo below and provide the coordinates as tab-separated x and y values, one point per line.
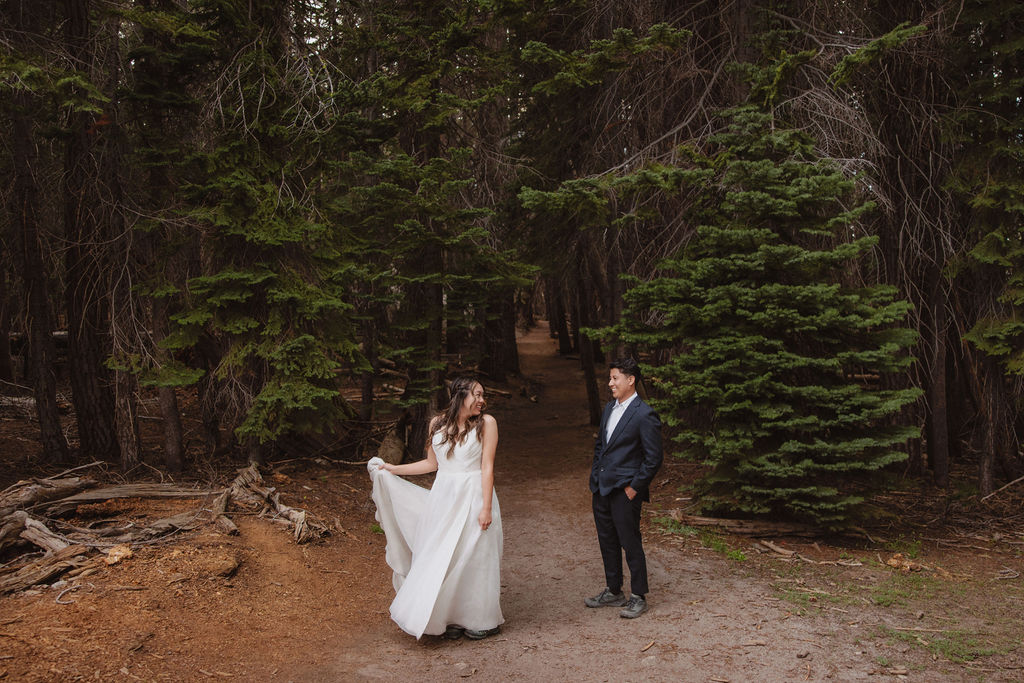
674	526
708	539
910	548
955	645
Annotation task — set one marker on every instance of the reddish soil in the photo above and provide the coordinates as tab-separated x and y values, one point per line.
723	608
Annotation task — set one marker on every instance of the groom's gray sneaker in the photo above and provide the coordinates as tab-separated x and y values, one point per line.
634	608
606	599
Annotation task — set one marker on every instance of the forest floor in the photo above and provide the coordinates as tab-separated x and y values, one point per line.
723	607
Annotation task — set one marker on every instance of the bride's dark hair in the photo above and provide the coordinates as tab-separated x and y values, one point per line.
447	422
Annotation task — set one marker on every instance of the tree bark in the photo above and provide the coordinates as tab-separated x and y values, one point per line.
126	418
87	311
549	308
500	353
174	450
427	304
124	341
366	379
938	433
587	356
987	457
207	390
616	290
557	311
25	205
6	364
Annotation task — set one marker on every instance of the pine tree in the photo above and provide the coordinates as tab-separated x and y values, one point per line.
988	178
271	300
765	346
402	191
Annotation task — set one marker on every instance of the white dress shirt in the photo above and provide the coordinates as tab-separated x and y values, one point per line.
618	410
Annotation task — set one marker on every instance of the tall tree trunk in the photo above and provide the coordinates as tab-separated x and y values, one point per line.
209	411
938	422
24	205
998	447
525	305
155	132
126	418
500	353
427	299
557	312
88	315
123	316
366	379
987	457
549	308
174	450
6	364
613	304
587	361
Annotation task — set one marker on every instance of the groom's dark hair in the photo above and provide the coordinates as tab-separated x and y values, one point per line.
627	366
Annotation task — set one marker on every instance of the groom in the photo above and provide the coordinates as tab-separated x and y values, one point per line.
627	455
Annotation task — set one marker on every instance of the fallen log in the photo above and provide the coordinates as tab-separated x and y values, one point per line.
37	533
218	508
748	527
124	491
18	526
73	550
247	490
27	493
45	568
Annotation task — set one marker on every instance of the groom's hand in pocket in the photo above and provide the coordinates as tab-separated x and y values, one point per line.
630	492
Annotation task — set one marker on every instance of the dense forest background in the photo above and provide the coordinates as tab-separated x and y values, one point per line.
297	215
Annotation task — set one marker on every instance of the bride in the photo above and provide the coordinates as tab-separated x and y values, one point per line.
444	544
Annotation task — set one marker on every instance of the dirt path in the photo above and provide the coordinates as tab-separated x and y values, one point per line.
706	621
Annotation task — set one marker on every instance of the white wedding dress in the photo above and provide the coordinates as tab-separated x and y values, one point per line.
447	571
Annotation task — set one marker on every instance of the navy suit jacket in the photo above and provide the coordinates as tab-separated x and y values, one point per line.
632	456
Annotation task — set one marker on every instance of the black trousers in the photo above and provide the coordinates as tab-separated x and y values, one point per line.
618	529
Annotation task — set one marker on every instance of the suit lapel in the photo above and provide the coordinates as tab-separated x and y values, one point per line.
604	424
626	417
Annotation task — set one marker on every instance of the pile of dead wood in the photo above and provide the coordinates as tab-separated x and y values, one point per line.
45	547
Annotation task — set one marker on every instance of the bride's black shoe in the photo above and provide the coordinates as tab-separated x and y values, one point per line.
454	632
480	635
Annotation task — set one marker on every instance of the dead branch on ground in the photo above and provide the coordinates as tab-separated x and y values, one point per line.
30	514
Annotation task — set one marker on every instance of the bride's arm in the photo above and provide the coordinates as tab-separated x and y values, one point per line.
490	445
428	464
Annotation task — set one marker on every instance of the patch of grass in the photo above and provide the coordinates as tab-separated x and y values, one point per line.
674	526
900	588
708	539
810	598
882	660
956	646
789	570
801	599
910	548
711	540
375	528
